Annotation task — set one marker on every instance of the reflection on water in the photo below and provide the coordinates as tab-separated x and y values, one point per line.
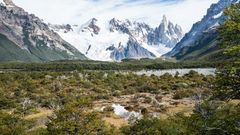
204	71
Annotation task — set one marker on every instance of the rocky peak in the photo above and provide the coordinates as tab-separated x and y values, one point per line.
121	26
167	26
178	30
171	28
113	23
164	20
92	26
167	33
93	21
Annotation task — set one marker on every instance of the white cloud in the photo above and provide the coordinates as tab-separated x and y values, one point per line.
182	12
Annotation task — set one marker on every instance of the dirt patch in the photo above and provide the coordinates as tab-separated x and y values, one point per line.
42	113
40	118
234	101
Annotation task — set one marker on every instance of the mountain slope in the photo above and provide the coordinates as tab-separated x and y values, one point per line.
115	39
25	37
201	41
11	52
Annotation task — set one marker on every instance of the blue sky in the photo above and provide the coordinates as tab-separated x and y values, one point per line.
182	12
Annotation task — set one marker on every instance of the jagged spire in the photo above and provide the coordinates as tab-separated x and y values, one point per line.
164	20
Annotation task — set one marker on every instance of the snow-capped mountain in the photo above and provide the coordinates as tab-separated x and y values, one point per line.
25	37
203	33
166	34
115	39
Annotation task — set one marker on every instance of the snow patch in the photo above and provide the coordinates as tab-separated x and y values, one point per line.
157	50
218	15
122	112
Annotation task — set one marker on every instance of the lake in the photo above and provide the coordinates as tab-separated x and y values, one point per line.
204	71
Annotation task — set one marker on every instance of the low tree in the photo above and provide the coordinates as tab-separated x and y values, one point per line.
228	82
75	118
230	30
154	126
12	125
213	118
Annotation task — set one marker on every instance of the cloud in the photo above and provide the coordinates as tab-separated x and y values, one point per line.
182	12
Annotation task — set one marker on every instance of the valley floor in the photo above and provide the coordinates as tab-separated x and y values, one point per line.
37	96
116	99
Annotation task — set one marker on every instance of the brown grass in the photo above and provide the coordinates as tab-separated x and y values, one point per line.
115	121
42	113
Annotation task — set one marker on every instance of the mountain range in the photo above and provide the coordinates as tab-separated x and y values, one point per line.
25	37
120	39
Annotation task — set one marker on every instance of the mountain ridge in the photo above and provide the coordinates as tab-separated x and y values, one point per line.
203	36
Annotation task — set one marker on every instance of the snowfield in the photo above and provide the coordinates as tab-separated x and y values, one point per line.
94	46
